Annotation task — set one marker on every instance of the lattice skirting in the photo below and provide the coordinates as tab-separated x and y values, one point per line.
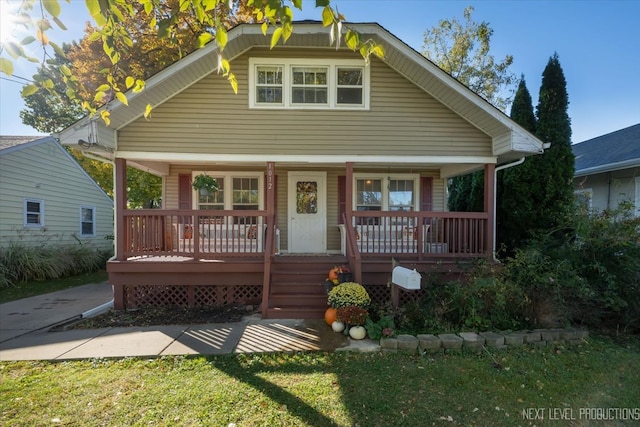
190	296
381	295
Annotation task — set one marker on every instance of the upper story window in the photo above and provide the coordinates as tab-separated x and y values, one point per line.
269	85
308	83
87	221
309	86
33	213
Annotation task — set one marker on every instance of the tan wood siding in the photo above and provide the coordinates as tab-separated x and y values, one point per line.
208	118
45	172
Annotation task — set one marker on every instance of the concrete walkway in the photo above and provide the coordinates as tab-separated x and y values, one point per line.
25	332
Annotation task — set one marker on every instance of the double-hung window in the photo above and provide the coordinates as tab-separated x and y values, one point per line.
236	191
87	221
385	193
350	86
308	83
269	85
33	213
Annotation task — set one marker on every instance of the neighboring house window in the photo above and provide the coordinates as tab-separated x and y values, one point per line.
236	191
637	201
87	221
33	213
584	198
314	83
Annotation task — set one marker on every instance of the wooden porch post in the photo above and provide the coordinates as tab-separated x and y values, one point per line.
348	193
348	211
120	192
270	197
121	235
489	205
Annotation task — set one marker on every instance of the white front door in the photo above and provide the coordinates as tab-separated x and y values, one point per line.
307	212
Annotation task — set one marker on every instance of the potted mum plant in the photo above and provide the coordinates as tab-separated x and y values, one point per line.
353	317
343	295
348	293
205	184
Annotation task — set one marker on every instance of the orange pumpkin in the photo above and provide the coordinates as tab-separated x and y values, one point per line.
330	315
333	273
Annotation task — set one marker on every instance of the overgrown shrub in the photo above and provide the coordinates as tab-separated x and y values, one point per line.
479	300
606	254
591	280
587	276
20	263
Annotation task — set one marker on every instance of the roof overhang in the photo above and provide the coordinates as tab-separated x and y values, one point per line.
609	167
510	141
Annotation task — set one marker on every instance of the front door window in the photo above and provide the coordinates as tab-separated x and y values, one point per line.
307	197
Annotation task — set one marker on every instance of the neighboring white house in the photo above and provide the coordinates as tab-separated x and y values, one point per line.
45	196
608	169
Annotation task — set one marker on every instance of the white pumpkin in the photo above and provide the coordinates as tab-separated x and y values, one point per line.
357	332
337	326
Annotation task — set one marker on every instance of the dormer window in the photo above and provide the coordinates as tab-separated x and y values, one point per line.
308	84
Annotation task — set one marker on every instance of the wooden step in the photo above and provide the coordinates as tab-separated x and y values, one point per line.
297	286
295	313
298	300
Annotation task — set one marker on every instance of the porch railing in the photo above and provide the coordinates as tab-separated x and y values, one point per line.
421	234
199	234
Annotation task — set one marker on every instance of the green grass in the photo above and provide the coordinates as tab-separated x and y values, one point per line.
29	289
320	389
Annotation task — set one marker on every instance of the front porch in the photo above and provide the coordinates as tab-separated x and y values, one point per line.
191	257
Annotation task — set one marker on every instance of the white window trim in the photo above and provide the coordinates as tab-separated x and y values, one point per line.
385	187
287	66
228	193
24	213
93	232
637	200
588	191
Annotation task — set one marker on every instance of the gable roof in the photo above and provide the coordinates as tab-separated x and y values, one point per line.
509	139
11	141
10	144
613	151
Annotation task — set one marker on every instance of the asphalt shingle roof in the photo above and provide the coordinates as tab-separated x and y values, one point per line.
609	152
8	141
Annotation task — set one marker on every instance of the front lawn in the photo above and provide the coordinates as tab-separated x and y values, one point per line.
320	389
33	288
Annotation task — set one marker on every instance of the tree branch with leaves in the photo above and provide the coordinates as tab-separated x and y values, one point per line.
165	20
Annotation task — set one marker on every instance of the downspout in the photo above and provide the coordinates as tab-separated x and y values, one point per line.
495	199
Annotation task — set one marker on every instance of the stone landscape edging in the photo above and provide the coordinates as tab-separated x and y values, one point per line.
475	342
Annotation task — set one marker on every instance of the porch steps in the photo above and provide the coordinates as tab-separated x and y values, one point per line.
297	286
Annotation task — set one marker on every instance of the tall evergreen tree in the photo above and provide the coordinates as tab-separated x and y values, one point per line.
508	206
538	194
554	126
